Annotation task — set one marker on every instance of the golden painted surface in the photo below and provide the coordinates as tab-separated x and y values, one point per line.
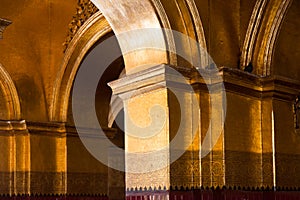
243	146
85	9
95	29
10	107
3	24
255	149
155	140
7	166
243	124
142	119
270	27
182	171
23	164
267	143
285	51
48	163
286	145
33	50
126	17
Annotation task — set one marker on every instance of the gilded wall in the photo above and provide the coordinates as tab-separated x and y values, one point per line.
47	42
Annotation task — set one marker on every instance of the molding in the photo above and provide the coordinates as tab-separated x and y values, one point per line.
46	128
270	35
71	131
252	32
23	127
262	33
12	126
234	80
161	76
51	129
199	30
10	95
166	24
248	84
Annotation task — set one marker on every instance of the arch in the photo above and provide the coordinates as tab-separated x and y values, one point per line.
179	15
88	34
122	17
262	33
252	32
10	95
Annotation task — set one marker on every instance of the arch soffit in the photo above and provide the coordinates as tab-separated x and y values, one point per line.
127	15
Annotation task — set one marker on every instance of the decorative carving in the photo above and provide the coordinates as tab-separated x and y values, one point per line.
297	113
287	170
85	9
3	24
244	169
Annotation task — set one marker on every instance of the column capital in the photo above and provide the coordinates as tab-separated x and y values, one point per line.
160	76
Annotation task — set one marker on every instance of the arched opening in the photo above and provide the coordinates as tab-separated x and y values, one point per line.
89	35
105	179
86	174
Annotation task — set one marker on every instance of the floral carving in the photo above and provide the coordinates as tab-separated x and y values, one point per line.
85	9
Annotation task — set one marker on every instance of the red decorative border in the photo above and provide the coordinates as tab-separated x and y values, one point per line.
214	195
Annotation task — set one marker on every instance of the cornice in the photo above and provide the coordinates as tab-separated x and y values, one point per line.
55	129
234	80
72	131
46	128
9	126
248	84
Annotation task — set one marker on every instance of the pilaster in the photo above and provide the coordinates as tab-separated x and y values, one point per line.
161	124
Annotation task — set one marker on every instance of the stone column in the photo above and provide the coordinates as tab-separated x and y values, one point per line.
161	120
